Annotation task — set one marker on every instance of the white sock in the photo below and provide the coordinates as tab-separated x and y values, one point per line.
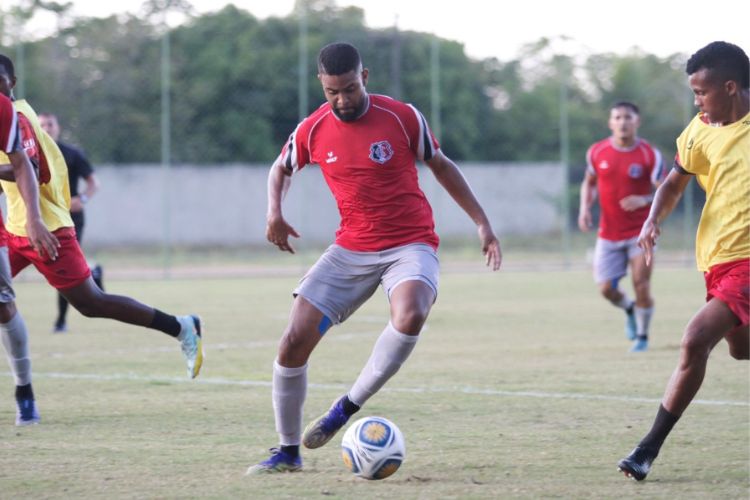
624	302
16	342
390	351
289	392
643	319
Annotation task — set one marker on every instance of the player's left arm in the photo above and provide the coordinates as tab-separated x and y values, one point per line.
450	177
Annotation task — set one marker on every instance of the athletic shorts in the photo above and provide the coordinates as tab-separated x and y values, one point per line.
7	295
342	280
730	283
69	270
611	258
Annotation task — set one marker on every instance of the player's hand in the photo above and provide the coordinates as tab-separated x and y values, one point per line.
278	233
75	204
41	240
647	239
634	202
490	247
585	221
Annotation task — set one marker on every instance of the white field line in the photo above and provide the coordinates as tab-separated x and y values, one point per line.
341	387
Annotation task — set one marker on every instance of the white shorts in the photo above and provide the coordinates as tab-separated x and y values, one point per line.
342	280
7	295
611	258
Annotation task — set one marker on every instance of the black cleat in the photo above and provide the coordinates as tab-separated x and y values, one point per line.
637	465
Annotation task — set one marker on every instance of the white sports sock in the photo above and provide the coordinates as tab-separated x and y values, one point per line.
289	392
16	342
390	351
643	319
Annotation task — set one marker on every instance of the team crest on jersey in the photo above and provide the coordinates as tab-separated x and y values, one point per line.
635	170
381	152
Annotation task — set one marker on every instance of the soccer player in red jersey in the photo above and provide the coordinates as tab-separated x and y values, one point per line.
13	331
366	146
623	170
68	272
715	148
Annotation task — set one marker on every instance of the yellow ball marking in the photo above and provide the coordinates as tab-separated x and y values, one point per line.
375	432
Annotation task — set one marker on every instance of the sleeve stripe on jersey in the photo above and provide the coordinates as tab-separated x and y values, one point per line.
11	142
426	149
289	153
658	173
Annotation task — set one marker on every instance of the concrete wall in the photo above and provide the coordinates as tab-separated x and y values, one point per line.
226	205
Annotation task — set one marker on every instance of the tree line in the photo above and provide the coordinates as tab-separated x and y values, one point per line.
234	86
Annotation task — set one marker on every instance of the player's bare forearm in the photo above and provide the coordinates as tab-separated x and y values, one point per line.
278	230
668	195
6	172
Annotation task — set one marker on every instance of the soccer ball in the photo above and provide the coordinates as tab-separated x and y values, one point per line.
373	448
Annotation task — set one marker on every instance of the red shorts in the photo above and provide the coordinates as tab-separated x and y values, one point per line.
69	270
730	283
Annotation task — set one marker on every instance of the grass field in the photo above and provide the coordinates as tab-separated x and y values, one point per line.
521	387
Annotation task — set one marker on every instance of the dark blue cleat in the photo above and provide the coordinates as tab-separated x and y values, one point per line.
279	462
637	465
323	428
26	412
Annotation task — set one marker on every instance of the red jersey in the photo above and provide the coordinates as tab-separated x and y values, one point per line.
369	165
620	173
10	141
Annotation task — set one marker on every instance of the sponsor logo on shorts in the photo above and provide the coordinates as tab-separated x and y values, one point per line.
381	152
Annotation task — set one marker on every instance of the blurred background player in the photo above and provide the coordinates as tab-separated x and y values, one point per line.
69	273
79	169
367	146
715	147
13	333
622	169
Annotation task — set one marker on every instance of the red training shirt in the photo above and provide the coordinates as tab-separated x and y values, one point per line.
369	165
620	173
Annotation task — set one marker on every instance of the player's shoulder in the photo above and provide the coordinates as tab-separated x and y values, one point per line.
388	103
600	146
314	118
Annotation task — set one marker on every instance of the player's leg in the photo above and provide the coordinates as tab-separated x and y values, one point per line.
610	265
712	322
739	342
60	325
306	328
644	302
71	276
15	340
410	280
88	299
338	283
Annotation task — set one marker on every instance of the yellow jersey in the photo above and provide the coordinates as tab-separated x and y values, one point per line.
720	158
54	196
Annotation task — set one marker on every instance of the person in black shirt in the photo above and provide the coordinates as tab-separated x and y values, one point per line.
78	168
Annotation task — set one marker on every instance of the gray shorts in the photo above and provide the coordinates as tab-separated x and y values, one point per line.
611	258
342	280
7	295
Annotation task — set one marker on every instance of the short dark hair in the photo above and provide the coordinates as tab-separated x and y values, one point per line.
628	105
725	60
338	58
7	65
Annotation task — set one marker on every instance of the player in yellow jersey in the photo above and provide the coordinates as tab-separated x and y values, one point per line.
69	273
715	147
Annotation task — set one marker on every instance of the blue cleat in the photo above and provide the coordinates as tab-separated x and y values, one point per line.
191	339
323	428
279	462
640	344
637	465
631	329
26	412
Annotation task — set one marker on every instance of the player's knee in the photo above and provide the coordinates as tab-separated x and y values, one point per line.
293	349
694	344
409	321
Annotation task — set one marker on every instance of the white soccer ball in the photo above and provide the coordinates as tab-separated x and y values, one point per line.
373	448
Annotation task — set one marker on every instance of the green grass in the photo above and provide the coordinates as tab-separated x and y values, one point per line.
521	387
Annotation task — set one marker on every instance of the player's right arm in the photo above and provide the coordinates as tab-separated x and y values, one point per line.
588	196
277	229
666	198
